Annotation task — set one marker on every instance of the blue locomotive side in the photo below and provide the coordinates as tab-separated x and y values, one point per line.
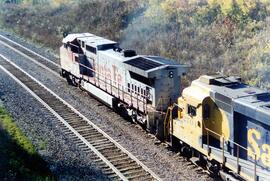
252	128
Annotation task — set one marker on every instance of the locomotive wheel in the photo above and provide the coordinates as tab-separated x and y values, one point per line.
75	81
203	160
175	144
213	167
72	80
69	79
186	151
81	85
63	73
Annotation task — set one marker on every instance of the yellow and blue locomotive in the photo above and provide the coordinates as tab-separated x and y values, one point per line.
226	123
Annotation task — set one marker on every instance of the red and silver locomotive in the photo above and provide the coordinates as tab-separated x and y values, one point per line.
141	86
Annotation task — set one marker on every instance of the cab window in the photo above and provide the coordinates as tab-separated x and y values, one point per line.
206	111
91	49
191	110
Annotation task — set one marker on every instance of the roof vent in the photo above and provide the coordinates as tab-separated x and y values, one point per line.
129	53
219	80
208	79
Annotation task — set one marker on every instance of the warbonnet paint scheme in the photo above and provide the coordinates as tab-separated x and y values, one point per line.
142	86
227	122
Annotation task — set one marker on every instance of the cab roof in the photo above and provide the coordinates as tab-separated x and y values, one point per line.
88	38
232	95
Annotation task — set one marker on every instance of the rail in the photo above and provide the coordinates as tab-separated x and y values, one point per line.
36	58
134	95
117	159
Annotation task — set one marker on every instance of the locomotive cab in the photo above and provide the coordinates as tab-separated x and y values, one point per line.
194	111
195	117
71	53
200	120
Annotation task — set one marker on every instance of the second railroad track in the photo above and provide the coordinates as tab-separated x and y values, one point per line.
116	162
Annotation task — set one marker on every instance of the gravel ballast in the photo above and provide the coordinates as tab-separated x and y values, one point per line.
65	160
158	157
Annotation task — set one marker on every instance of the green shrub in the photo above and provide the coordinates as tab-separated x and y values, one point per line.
209	35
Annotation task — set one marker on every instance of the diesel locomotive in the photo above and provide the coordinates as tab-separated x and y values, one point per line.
217	120
225	124
140	86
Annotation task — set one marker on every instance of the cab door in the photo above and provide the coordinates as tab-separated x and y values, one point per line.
91	55
215	123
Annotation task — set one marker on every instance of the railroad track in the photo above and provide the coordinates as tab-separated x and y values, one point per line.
31	55
54	68
114	161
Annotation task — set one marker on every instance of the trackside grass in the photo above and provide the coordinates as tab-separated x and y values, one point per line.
18	157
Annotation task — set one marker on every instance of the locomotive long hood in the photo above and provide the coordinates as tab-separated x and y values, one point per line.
153	67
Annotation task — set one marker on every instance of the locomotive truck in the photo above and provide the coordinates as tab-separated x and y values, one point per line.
217	120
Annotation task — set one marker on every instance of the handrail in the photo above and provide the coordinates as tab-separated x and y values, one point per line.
168	113
237	151
113	81
207	129
133	93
